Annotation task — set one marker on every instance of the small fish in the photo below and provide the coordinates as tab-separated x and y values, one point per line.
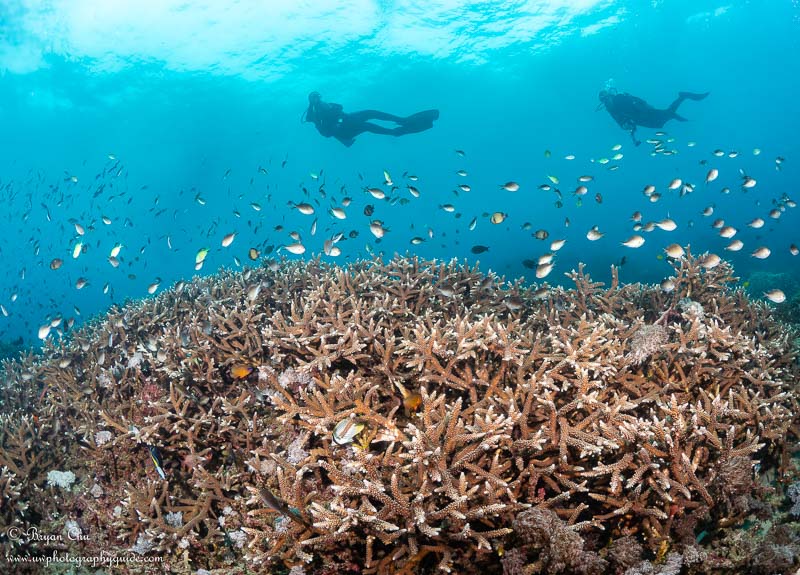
675	184
498	217
44	331
56	263
794	250
514	303
543	270
775	296
709	261
338	213
201	255
667	225
473	223
510	186
346	430
478	249
727	232
735	246
556	245
635	241
155	456
241	370
541	293
553	179
761	253
712	175
446	291
594	234
151	289
253	254
464	188
413	191
277	505
295	248
412	402
228	240
674	251
668	285
304	208
541	234
377	229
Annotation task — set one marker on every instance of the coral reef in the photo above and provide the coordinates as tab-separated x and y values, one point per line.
407	417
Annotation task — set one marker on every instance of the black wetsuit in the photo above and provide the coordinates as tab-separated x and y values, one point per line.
629	111
331	121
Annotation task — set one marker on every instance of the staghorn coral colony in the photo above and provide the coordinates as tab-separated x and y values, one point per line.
411	417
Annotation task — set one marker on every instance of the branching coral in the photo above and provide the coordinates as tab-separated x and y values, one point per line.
405	417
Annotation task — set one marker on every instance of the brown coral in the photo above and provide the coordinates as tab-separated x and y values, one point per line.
532	410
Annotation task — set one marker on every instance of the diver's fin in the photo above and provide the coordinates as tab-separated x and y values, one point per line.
418	122
693	96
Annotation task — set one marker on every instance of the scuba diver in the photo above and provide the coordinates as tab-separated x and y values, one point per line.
331	121
629	111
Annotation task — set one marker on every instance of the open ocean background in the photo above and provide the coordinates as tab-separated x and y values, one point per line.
191	98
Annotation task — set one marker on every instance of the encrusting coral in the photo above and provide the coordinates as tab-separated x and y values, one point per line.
403	417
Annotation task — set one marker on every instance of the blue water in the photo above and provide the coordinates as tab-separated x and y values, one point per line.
182	93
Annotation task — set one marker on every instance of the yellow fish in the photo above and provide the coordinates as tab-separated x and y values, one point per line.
240	370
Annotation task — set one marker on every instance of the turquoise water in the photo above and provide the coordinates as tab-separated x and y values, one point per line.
131	110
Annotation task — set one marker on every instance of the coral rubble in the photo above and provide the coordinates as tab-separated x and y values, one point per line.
407	417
